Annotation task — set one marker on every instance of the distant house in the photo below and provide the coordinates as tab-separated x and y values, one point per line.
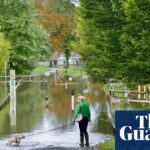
60	60
73	60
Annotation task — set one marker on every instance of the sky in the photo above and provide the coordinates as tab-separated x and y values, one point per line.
75	2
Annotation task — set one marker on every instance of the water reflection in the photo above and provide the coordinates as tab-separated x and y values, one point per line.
33	117
124	105
2	91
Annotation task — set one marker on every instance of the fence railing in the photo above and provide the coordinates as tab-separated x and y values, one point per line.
130	96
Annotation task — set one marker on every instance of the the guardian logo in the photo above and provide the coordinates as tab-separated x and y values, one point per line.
142	133
132	130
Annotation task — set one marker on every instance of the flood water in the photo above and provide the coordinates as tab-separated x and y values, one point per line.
50	126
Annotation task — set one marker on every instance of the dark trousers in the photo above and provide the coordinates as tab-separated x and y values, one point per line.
83	126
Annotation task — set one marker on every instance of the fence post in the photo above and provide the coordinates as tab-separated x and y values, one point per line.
144	91
56	77
5	78
12	84
148	91
139	90
72	100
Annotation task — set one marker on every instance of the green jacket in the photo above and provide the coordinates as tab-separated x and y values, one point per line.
83	108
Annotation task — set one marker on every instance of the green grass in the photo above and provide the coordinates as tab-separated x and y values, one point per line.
73	71
40	70
109	145
106	88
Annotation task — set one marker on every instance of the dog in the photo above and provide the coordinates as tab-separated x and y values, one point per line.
15	141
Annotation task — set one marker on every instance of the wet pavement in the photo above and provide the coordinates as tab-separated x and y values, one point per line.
69	148
62	139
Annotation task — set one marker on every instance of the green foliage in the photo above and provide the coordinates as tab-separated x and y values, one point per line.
4	51
135	40
114	39
62	6
28	39
67	53
98	39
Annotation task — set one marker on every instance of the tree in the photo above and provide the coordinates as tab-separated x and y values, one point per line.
135	41
67	53
99	44
57	17
4	51
62	6
113	39
28	39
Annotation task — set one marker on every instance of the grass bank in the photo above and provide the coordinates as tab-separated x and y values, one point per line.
73	71
40	70
109	145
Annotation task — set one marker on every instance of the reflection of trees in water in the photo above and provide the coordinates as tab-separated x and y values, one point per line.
96	93
60	103
103	124
4	113
138	106
2	91
29	106
4	121
60	100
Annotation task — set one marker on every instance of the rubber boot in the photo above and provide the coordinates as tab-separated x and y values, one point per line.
82	141
87	140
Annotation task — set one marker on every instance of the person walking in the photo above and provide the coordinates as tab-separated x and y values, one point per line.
82	115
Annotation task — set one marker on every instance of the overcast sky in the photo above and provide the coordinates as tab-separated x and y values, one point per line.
75	2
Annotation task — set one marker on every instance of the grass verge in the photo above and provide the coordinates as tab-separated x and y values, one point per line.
40	70
109	145
73	71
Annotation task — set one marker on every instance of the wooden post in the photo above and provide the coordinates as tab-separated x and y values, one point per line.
110	89
66	85
72	100
126	93
55	77
113	93
148	85
66	78
12	98
144	91
5	78
139	90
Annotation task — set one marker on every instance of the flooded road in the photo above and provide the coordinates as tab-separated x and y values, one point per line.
50	126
